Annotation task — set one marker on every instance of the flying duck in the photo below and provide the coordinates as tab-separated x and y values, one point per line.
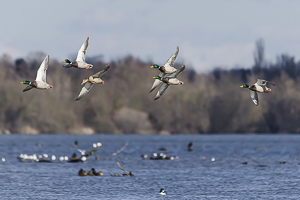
167	81
80	60
40	80
166	69
259	86
89	82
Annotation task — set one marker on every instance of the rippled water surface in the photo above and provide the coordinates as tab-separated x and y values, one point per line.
188	177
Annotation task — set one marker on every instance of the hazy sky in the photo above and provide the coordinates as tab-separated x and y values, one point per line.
212	33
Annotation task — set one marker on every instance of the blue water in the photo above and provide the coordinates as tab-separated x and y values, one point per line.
188	177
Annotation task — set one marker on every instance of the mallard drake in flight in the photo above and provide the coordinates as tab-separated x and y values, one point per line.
80	60
89	82
166	69
40	80
167	81
259	86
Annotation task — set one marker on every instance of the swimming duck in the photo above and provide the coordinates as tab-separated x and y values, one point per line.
92	172
162	192
166	69
40	80
167	81
128	174
80	60
190	146
259	86
170	158
100	173
154	156
82	173
89	82
144	156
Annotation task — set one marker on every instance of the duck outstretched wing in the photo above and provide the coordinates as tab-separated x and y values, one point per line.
82	50
263	82
161	90
254	97
41	73
29	87
171	60
175	74
99	74
85	89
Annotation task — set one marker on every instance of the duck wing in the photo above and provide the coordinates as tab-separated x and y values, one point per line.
175	74
157	81
82	50
161	90
41	73
99	74
171	60
85	89
263	82
29	87
254	97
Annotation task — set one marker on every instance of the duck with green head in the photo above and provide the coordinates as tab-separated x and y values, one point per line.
80	60
40	80
165	69
259	86
167	81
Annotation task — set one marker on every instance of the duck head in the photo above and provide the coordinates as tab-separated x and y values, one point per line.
244	86
157	77
66	61
154	66
26	82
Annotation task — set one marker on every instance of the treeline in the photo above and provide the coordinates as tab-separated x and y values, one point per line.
206	103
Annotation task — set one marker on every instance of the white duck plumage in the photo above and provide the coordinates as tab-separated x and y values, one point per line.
40	80
80	60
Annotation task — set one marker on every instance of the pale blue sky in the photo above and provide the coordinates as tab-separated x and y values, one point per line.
209	33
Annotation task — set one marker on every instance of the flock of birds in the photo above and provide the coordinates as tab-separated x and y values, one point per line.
167	76
45	158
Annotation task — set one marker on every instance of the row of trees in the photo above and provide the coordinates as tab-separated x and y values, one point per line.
206	103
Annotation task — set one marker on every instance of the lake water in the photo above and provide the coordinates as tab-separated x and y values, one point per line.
188	177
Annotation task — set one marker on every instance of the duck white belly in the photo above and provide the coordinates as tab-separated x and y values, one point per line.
42	85
170	70
259	88
83	65
174	81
